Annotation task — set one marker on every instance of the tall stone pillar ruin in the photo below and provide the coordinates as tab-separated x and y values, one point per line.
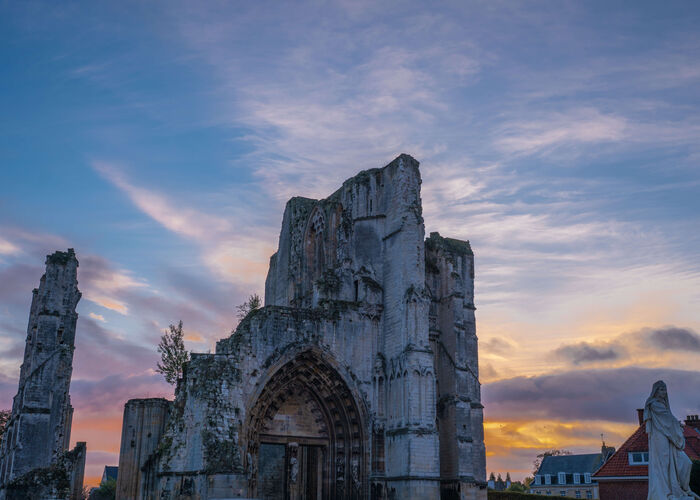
37	435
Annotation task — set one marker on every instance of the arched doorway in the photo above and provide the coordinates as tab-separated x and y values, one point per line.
305	435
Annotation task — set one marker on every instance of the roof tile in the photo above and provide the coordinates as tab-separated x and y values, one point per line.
618	465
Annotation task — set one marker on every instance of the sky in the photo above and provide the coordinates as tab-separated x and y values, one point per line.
162	139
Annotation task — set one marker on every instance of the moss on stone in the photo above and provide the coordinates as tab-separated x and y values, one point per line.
52	481
61	258
221	455
329	282
450	245
431	264
210	371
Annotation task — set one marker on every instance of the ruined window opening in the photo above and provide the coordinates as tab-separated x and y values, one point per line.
315	252
357	289
59	335
370	206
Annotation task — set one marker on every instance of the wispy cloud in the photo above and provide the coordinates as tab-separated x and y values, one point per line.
7	248
176	218
579	126
97	317
228	251
106	286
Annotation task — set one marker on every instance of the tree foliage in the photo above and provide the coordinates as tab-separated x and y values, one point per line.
549	453
173	354
517	487
106	491
253	303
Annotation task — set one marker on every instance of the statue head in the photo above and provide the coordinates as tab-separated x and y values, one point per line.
659	392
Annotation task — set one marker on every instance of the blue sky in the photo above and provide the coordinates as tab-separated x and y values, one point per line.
162	139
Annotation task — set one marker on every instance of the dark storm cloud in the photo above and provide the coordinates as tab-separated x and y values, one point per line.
583	352
675	339
609	394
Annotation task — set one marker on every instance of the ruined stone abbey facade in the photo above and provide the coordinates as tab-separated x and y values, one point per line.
357	380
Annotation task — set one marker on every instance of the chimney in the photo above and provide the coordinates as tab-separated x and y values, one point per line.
692	421
640	415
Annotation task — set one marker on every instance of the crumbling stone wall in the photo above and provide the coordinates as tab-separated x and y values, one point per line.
372	328
37	435
63	479
142	428
450	282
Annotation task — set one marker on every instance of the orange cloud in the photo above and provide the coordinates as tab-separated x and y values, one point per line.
109	303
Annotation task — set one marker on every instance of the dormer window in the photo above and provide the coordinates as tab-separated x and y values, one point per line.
562	478
538	479
577	478
638	457
547	479
587	477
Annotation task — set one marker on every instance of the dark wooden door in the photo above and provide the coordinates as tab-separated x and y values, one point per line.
313	472
272	472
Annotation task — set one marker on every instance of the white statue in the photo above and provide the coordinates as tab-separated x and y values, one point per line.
669	466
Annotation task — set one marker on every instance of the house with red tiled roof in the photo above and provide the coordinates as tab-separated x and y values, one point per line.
625	475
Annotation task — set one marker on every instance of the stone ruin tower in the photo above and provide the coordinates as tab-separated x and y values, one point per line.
37	436
357	380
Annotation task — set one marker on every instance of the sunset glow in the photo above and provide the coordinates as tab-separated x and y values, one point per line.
161	140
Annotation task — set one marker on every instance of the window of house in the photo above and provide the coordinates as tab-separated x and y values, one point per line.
587	477
577	478
562	493
589	494
578	493
538	481
547	479
562	478
638	457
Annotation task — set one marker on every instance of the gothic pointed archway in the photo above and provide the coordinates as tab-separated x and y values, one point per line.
305	434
